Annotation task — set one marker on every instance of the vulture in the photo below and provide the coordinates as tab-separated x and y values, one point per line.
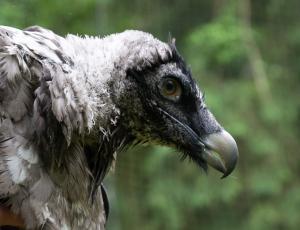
69	105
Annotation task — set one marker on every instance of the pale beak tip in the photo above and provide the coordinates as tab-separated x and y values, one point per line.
225	146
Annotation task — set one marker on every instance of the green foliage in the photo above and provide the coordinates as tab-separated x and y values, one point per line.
219	47
151	188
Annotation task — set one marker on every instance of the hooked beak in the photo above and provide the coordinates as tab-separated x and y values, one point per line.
220	152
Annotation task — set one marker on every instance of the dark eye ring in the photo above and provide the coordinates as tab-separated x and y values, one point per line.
170	88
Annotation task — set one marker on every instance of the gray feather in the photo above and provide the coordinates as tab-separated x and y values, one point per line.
59	123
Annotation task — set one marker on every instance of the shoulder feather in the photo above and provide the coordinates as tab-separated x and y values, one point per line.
36	78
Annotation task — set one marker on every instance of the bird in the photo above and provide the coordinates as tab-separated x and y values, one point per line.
69	105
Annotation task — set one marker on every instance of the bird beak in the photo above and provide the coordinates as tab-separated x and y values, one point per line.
220	152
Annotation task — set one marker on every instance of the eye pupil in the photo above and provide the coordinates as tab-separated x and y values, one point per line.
170	86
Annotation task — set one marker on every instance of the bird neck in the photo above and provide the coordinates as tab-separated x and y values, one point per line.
97	64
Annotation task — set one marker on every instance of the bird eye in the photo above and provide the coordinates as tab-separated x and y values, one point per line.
171	89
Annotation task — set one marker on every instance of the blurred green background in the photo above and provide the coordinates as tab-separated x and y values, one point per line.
245	55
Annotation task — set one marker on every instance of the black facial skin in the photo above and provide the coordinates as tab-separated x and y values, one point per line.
179	123
182	122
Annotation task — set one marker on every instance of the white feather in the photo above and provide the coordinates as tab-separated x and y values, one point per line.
17	169
75	72
28	154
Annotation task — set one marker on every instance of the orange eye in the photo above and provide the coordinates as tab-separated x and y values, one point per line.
171	89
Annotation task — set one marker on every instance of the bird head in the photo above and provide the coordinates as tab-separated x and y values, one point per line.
161	103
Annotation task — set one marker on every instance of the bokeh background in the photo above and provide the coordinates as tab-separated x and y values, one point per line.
245	55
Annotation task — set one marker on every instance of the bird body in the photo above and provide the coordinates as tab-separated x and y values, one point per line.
67	107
